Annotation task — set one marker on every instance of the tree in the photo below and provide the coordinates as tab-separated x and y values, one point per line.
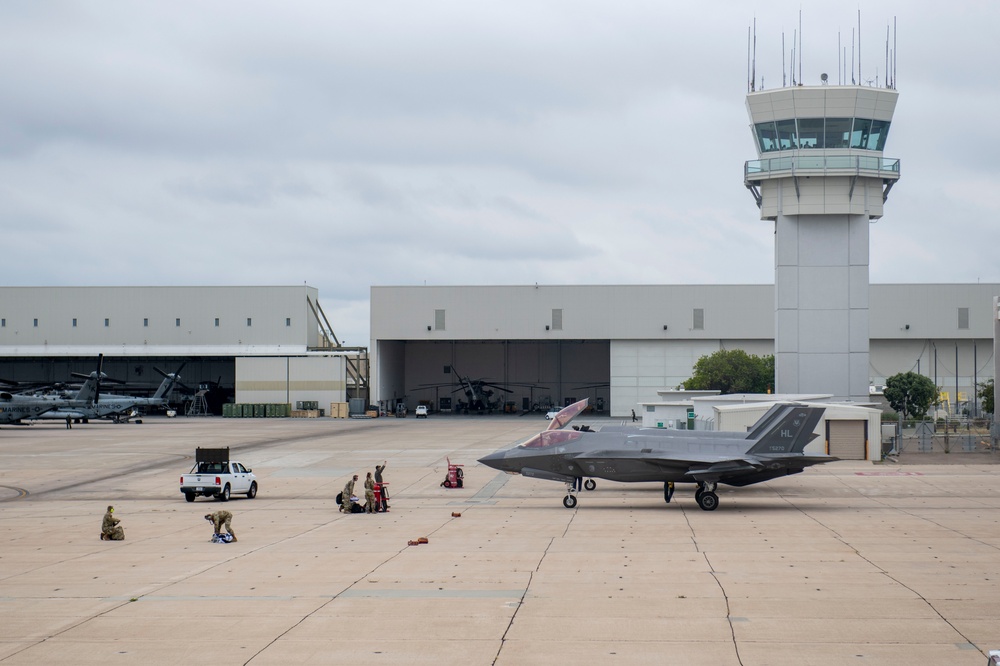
732	371
986	395
910	394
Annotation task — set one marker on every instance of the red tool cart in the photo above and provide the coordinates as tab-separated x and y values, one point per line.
381	504
455	475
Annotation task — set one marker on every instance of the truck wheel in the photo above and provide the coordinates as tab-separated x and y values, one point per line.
224	495
189	497
253	491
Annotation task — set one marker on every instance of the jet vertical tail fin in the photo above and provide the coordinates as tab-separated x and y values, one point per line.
787	429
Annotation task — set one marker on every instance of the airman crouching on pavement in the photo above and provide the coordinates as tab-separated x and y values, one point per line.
220	518
110	529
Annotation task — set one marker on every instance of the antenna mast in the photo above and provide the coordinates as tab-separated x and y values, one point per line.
894	52
859	47
784	79
887	84
800	46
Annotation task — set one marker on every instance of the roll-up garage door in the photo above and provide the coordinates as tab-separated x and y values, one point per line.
848	439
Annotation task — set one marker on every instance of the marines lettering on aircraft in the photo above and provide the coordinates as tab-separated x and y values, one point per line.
774	447
14	408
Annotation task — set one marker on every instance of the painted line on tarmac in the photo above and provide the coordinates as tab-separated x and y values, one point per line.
21	493
491	488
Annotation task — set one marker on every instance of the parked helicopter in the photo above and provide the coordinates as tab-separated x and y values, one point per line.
481	395
119	408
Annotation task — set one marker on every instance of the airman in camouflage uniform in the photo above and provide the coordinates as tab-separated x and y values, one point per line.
348	493
218	519
110	529
369	494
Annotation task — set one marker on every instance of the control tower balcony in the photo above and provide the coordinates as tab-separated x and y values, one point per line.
784	166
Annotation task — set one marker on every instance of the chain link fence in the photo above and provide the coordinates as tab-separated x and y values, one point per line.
959	436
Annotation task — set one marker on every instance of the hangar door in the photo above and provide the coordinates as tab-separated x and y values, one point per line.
848	440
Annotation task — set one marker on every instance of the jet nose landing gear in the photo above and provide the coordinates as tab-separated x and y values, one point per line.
570	500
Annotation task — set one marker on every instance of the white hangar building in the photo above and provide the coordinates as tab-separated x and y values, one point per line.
619	345
264	344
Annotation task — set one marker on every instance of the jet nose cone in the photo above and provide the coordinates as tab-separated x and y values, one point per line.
495	460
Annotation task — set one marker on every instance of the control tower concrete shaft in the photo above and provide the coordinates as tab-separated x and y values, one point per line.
821	178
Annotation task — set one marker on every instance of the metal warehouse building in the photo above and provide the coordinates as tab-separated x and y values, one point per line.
619	344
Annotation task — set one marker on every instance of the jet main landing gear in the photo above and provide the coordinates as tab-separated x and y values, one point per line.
705	495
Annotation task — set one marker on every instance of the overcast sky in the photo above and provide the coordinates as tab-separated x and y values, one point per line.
351	144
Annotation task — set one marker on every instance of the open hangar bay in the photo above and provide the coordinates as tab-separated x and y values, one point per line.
848	562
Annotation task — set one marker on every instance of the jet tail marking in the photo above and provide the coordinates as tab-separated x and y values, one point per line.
787	430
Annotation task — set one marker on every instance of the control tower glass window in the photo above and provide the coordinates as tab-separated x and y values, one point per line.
876	140
804	133
811	133
838	132
787	135
767	137
859	136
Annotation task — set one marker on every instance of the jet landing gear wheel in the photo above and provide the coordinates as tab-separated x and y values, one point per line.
707	500
668	491
570	500
590	484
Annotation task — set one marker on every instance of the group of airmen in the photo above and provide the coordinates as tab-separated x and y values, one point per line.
371	505
111	529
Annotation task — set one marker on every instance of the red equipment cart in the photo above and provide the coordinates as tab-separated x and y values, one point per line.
455	475
380	501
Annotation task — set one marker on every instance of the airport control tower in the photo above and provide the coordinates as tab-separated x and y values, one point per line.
821	177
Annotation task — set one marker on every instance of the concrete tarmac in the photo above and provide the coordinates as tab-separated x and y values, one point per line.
848	562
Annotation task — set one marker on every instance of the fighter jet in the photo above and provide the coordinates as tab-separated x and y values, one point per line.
772	448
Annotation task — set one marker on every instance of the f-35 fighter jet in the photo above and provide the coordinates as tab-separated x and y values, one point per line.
772	448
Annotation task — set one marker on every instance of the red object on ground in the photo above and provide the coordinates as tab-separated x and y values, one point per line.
455	475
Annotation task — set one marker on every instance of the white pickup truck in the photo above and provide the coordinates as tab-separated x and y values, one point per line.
214	475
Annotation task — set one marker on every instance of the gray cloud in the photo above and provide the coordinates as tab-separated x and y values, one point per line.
350	145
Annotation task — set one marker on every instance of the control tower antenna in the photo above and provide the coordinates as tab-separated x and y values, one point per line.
893	52
784	79
859	45
852	56
800	45
795	37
